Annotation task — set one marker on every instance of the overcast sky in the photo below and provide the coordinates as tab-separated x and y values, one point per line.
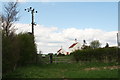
59	23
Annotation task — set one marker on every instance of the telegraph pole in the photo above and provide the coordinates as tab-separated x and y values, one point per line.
32	10
118	40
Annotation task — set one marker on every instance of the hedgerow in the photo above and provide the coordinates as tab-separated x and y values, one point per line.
17	50
100	54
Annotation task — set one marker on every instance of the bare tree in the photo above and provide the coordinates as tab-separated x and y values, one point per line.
9	16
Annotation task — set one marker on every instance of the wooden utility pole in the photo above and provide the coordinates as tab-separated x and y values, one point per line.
32	10
118	41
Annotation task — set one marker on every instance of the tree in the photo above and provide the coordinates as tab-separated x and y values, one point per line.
10	48
84	42
84	46
95	44
9	16
107	45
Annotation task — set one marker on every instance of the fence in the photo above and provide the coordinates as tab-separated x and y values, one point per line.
62	59
56	59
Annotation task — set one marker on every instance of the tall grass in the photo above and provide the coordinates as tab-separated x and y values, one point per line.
64	70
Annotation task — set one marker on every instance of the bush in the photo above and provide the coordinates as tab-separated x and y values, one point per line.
61	55
17	50
28	51
10	53
100	54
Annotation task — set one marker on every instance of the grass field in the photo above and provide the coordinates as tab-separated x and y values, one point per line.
66	70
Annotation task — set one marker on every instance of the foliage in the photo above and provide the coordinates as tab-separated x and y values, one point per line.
10	53
61	54
17	50
28	52
107	45
85	47
9	16
10	48
100	54
95	44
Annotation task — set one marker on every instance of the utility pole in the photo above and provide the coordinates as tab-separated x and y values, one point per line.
32	10
118	40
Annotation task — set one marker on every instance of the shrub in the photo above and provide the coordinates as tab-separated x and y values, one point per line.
17	50
61	54
10	53
100	54
28	52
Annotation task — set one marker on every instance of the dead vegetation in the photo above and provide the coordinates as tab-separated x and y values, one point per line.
102	68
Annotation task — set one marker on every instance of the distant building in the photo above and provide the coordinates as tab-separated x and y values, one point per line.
61	51
72	48
75	46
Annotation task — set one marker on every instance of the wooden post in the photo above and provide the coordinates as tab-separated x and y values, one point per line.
51	58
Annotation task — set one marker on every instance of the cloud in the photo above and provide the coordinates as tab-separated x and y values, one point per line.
21	0
50	39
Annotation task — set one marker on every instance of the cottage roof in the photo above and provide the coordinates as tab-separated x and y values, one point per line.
73	45
59	50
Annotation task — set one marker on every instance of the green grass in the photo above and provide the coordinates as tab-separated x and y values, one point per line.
64	70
